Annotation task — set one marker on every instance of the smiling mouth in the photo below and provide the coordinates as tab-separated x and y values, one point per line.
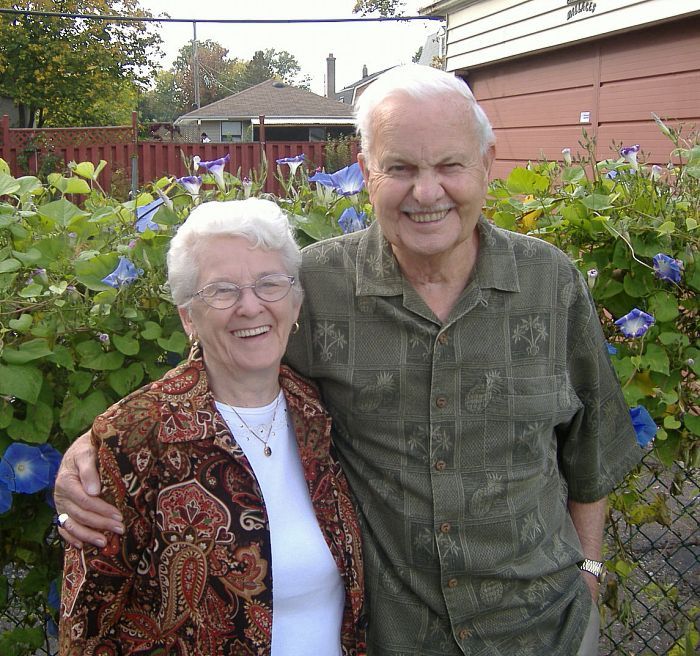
427	217
251	332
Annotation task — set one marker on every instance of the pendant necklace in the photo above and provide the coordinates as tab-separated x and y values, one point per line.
267	450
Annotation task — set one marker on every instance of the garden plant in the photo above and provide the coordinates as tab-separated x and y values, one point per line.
85	318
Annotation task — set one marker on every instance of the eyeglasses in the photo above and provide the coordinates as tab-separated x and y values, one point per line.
223	295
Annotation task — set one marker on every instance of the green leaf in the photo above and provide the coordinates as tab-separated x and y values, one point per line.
524	181
691	224
9	265
21	325
126	380
636	285
31	291
8	185
151	330
663	306
22	381
176	343
85	169
80	381
673	339
91	271
21	640
656	359
35	427
77	414
93	357
61	211
28	351
126	344
62	357
692	423
671	423
29	257
597	202
28	184
317	225
666	228
6	413
505	220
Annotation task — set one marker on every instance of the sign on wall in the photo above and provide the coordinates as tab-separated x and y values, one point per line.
576	7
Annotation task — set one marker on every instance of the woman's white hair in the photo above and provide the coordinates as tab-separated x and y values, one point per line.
259	221
419	82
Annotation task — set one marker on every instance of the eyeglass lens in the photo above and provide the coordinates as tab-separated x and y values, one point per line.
223	295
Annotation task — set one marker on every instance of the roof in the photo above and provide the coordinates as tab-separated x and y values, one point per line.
347	94
272	99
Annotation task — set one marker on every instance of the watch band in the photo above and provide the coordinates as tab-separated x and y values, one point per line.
594	567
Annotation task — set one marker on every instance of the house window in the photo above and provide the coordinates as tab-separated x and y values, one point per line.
317	134
231	131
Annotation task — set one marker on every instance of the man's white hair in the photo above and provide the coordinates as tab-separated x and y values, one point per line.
259	221
419	82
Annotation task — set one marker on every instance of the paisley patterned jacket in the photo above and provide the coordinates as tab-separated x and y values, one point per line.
192	575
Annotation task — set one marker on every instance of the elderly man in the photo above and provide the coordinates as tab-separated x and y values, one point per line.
476	413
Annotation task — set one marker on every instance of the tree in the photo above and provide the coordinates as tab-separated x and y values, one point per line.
67	71
270	63
383	7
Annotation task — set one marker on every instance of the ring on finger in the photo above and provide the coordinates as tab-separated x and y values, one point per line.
62	519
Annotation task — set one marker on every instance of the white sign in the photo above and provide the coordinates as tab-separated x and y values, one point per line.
585	117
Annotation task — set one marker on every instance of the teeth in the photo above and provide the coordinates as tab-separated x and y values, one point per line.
427	217
251	332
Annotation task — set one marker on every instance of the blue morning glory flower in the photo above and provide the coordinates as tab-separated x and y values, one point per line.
191	183
124	274
24	469
644	425
215	167
611	175
345	182
53	457
292	162
53	598
630	154
145	213
635	323
5	498
351	221
612	350
667	268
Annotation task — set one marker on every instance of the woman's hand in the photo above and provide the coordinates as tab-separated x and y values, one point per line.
77	487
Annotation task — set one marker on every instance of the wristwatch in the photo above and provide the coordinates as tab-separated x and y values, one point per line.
594	567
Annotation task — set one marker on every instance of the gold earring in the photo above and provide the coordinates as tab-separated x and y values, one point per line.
295	328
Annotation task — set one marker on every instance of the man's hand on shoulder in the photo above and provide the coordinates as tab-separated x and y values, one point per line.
75	494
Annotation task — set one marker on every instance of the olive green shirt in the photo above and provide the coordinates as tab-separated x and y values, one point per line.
463	439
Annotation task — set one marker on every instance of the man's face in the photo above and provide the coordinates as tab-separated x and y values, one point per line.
425	174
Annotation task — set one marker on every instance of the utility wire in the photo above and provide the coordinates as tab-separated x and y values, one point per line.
241	21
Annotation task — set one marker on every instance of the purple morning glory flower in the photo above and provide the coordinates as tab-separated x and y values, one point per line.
566	152
24	469
247	185
5	498
611	175
53	457
635	323
292	162
124	274
644	425
145	213
591	277
345	182
191	183
215	167
655	173
666	268
351	221
630	154
612	350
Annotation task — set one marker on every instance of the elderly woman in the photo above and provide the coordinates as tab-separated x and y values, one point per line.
241	536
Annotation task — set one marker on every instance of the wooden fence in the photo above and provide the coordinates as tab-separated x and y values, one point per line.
29	151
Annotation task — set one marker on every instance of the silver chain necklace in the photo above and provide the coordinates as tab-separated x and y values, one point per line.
266	450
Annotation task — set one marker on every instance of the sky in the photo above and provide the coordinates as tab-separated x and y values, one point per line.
378	45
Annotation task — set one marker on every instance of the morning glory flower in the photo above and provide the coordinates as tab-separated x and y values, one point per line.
53	457
612	350
124	274
292	162
635	323
215	167
666	268
611	175
591	276
5	498
53	598
191	183
24	469
644	425
351	221
247	185
566	152
630	154
655	172
345	182
144	215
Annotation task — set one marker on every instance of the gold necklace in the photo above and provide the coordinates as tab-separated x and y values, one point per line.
267	450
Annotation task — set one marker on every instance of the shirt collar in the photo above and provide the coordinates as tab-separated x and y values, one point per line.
378	272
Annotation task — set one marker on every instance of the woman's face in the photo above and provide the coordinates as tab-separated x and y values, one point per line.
249	338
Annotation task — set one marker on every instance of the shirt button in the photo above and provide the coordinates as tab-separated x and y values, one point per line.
441	401
443	338
440	465
445	527
452	583
464	634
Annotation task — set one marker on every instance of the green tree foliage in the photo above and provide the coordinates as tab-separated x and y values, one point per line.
66	71
271	63
383	7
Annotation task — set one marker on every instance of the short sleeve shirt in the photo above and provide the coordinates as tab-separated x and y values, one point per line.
463	440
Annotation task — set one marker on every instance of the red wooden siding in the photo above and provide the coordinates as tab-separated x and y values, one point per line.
534	102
